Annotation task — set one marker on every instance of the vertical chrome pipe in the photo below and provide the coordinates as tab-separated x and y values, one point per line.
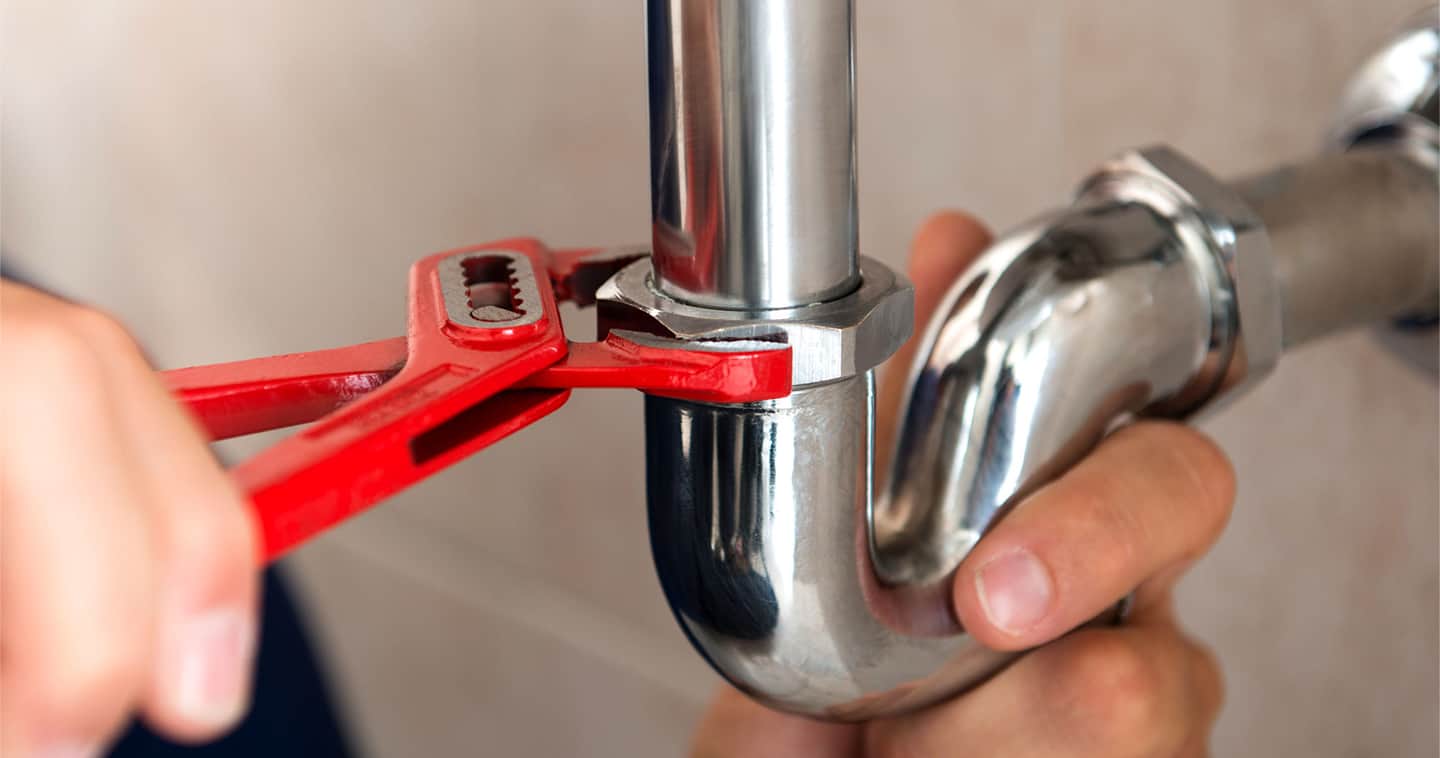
758	511
752	151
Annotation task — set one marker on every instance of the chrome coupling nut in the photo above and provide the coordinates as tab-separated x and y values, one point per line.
830	340
1229	248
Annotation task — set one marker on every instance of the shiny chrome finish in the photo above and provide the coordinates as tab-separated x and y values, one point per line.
1217	228
1157	292
833	340
1058	330
758	522
1395	96
752	151
813	596
759	512
809	593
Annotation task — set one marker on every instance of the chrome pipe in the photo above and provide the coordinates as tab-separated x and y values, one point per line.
758	511
1160	291
1354	237
752	151
1061	327
813	593
758	521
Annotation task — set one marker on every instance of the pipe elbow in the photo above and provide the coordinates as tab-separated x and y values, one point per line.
809	592
1060	328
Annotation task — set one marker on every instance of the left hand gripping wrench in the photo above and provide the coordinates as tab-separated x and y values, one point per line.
485	356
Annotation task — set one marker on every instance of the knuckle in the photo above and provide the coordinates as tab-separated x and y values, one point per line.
41	340
100	330
1114	692
217	535
1188	467
63	342
1100	503
1210	477
94	684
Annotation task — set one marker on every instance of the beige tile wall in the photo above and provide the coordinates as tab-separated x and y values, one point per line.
238	179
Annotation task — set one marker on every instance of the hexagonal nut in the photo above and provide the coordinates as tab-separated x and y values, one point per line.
829	341
1207	211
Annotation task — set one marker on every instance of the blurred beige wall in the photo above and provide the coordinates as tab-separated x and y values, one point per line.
238	179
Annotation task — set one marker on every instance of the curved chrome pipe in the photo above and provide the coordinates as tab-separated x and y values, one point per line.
1062	327
1158	292
813	596
758	522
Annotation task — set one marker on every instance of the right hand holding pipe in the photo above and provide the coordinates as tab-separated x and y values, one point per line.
1137	512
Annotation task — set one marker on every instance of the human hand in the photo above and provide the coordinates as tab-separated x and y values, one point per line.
1135	513
127	557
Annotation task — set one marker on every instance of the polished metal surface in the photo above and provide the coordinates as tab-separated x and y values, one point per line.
701	345
1355	236
1394	98
1157	293
831	340
752	151
1061	328
1217	226
813	595
758	523
1154	294
759	512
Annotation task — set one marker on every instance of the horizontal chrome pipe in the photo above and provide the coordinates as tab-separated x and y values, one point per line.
1355	239
752	151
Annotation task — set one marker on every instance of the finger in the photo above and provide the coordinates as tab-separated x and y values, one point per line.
945	244
77	574
1147	502
1142	690
206	630
735	725
1205	680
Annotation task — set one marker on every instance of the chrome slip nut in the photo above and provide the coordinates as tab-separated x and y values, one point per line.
831	340
1229	245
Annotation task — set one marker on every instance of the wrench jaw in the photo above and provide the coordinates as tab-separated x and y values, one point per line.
714	370
578	274
705	371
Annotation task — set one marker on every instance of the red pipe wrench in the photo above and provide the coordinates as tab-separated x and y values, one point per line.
484	356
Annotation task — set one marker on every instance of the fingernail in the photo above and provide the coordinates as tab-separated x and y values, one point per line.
215	652
1015	591
68	750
